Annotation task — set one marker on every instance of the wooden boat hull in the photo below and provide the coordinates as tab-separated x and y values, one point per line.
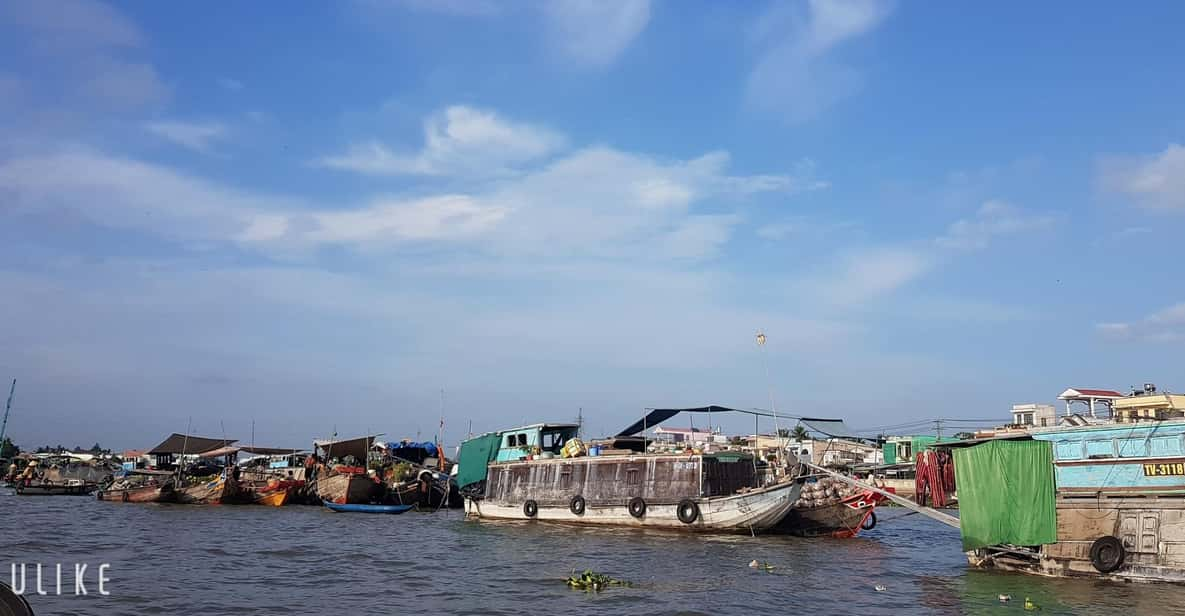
274	498
350	508
753	511
843	518
345	489
55	489
216	491
146	494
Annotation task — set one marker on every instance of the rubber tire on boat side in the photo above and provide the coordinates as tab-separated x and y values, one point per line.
869	523
1107	554
530	509
688	511
637	507
576	506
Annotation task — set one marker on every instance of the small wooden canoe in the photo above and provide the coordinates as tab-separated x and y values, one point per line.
352	508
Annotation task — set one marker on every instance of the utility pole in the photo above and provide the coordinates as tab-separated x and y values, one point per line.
937	429
7	408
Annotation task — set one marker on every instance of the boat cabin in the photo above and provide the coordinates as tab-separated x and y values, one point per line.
544	440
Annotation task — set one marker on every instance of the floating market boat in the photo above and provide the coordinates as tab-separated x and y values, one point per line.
347	482
540	472
274	498
214	490
1094	501
352	508
73	487
831	508
140	487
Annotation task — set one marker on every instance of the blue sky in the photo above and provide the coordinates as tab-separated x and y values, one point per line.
320	218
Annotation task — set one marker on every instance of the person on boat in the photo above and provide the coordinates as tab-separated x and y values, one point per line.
30	473
13	471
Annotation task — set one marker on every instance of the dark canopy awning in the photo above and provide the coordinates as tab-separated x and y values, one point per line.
835	428
271	451
657	416
358	447
185	444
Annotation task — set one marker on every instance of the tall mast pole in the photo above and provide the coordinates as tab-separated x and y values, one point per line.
7	408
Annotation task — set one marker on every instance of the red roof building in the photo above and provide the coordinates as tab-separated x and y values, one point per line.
1089	397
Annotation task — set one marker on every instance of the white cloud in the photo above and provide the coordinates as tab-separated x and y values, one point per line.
869	274
593	202
457	140
1154	182
82	48
795	74
800	227
197	136
1167	325
227	83
594	33
994	218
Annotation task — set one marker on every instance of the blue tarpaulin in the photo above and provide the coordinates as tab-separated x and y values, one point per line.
428	447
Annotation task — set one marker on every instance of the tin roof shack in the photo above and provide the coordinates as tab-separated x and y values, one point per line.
1119	505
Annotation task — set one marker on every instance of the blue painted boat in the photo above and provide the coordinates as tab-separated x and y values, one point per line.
348	508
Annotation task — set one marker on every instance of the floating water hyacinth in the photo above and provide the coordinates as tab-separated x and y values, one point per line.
590	580
764	566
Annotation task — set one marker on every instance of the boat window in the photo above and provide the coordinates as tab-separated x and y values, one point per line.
1133	448
1100	448
1068	450
522	440
510	440
552	441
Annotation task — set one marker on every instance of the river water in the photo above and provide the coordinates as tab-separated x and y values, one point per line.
173	559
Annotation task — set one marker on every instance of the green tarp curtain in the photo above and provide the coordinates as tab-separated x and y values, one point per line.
475	456
1006	493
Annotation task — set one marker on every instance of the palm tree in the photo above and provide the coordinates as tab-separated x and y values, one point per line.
799	433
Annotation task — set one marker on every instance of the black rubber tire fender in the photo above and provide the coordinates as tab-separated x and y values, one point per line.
577	505
1107	554
530	509
687	511
637	507
869	522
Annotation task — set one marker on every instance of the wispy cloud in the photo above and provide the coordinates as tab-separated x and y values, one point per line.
198	136
864	275
796	74
1155	182
226	83
993	219
457	140
1167	325
83	46
594	202
455	8
594	33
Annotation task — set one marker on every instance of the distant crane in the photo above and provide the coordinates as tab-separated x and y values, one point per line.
7	409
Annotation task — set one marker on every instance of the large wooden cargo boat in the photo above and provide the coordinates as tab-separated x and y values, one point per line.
520	474
1111	504
217	490
346	487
